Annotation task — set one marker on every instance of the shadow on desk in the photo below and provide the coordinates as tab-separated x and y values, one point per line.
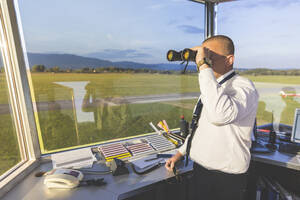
170	189
185	190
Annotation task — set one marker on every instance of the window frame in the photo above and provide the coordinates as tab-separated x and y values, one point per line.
44	152
19	96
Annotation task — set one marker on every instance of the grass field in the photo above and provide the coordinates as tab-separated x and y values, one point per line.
110	122
112	84
9	151
60	129
121	84
276	79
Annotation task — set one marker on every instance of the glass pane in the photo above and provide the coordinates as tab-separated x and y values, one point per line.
267	52
99	68
9	148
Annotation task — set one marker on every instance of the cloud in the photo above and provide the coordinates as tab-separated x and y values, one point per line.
119	54
190	29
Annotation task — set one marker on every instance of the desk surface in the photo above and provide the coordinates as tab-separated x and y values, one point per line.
279	159
121	187
117	187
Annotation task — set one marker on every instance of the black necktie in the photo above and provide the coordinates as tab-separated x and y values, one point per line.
195	119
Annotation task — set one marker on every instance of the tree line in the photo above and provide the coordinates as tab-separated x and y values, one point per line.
265	71
112	69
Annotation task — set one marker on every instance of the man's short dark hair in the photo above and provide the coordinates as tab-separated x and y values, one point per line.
228	43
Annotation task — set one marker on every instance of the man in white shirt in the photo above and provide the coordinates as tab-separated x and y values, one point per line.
220	147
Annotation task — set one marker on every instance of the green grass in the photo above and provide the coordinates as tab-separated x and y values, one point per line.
59	128
9	151
112	84
123	84
276	79
3	89
110	122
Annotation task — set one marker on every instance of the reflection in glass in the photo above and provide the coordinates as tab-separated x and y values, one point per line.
279	99
93	113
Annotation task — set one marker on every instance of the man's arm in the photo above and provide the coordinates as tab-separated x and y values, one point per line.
222	108
180	152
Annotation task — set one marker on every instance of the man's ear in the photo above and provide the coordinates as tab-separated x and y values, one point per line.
229	60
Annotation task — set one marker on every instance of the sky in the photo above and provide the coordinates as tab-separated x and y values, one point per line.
264	31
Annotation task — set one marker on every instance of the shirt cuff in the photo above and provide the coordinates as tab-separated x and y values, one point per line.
206	73
206	79
182	150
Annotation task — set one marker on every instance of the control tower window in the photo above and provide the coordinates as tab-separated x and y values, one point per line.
99	68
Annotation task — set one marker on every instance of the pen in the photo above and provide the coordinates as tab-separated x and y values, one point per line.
156	130
160	156
171	139
150	159
162	126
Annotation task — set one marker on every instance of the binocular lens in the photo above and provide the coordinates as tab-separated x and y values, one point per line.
189	55
174	55
185	55
170	55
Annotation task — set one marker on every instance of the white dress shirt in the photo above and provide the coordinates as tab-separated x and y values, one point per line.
222	140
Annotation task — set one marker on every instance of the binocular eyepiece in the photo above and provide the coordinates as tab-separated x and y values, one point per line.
184	55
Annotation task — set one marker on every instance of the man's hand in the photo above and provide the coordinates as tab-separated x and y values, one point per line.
202	52
171	162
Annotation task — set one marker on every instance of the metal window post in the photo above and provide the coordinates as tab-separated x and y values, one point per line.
210	19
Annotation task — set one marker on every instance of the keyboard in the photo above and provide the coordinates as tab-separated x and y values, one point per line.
292	148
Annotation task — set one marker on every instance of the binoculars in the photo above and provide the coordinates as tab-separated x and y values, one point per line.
184	55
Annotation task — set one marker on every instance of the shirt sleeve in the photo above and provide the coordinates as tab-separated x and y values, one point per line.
222	108
183	147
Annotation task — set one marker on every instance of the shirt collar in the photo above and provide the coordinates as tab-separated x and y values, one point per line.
224	76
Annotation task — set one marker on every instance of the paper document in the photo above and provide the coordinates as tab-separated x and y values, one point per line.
80	158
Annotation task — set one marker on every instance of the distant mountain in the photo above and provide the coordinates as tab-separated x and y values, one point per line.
71	61
65	61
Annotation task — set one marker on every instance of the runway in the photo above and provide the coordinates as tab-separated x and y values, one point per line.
269	93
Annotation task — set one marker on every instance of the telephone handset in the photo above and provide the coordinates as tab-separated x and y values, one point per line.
63	178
